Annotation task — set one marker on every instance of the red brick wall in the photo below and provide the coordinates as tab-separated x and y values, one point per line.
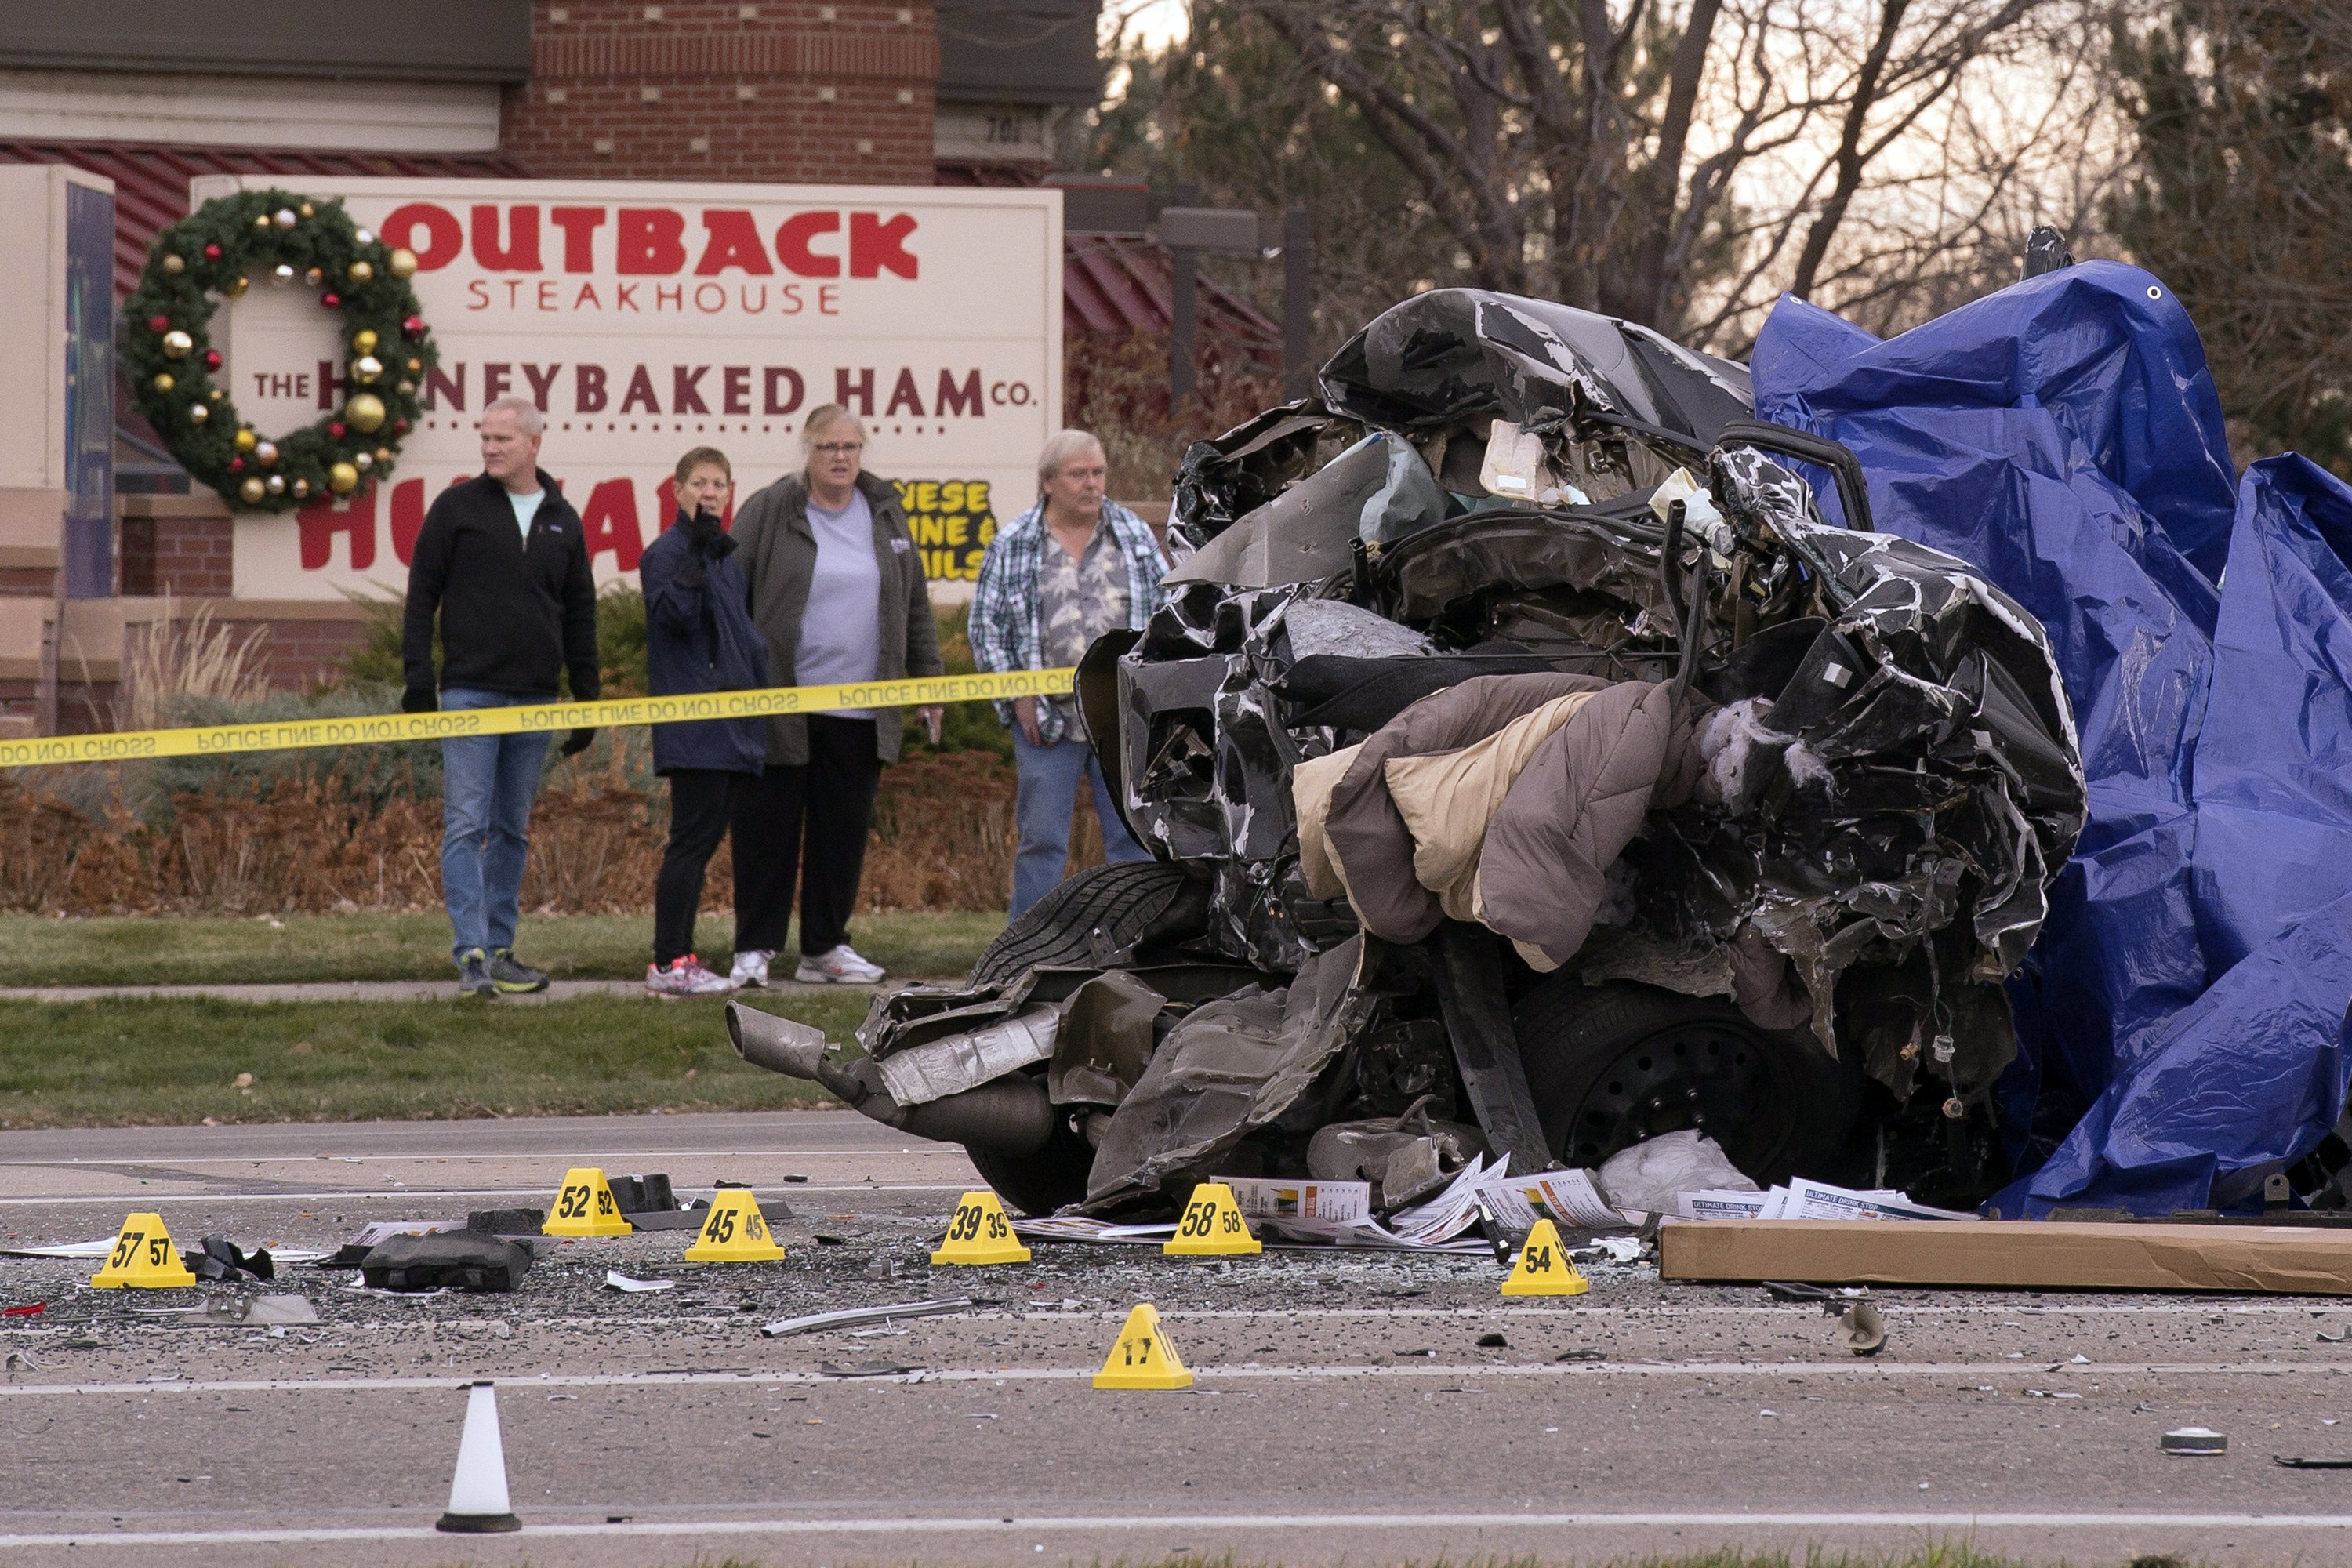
187	557
801	92
299	655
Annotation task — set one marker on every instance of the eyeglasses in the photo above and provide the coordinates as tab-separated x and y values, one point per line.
839	448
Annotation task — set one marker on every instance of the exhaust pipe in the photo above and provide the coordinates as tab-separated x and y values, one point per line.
780	1044
1010	1115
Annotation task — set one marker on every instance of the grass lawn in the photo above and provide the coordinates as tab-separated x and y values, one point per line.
213	949
173	1062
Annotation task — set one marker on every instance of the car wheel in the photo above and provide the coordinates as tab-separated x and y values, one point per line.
1612	1066
1041	1181
1101	912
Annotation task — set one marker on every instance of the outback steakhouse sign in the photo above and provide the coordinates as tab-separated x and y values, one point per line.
645	319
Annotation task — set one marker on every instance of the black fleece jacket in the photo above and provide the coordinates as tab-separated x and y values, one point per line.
513	615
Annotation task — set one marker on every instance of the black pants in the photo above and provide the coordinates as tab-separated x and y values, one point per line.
833	798
700	800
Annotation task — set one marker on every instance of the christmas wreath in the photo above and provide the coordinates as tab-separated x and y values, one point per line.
277	238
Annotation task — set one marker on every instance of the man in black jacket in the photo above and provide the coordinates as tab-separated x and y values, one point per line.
503	560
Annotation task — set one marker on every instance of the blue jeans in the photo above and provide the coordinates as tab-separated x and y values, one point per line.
488	782
1048	793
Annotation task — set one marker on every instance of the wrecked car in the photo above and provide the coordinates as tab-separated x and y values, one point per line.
1530	769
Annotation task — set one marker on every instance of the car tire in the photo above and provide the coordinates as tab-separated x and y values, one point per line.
1130	903
1612	1066
1041	1181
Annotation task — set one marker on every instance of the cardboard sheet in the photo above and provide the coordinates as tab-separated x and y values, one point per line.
2025	1254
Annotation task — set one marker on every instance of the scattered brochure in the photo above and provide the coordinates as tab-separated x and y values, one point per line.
1567	1198
1806	1199
1261	1197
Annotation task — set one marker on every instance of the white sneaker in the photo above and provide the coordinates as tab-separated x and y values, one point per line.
685	977
842	966
750	967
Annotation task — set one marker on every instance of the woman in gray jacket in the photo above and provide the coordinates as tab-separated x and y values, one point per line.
837	590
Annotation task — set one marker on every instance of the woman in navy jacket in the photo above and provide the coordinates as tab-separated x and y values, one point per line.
699	637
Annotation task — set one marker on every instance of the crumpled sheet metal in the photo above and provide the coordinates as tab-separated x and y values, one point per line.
953	1063
1207	758
2182	1013
1456	353
1222	481
1904	771
1226	1069
1378	489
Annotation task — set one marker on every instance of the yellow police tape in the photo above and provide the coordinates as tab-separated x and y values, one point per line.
538	718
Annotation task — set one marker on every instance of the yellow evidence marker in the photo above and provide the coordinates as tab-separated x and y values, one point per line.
585	1206
735	1231
1543	1268
1212	1226
980	1232
1143	1358
144	1257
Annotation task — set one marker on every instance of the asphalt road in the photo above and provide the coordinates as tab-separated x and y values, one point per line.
1344	1409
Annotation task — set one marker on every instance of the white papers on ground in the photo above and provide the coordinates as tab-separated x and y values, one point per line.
1339	1213
1341	1201
1568	1198
1803	1198
1077	1227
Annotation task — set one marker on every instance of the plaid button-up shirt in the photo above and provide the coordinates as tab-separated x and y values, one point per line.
1006	626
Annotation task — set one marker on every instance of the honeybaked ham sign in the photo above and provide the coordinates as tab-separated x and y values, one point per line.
644	318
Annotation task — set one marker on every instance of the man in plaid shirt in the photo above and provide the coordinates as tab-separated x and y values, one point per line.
1061	574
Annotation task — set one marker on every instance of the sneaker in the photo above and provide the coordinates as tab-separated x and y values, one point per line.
842	966
750	967
473	974
685	977
511	976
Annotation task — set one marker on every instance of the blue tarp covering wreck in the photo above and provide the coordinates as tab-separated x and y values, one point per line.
2181	1020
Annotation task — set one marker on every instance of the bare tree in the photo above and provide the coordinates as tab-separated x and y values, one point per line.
1674	162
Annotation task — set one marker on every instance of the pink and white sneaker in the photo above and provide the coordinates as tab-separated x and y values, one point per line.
685	977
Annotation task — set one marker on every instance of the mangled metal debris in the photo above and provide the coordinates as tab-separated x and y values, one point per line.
1529	771
859	1316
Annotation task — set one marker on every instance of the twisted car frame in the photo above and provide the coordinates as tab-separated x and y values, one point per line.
1530	768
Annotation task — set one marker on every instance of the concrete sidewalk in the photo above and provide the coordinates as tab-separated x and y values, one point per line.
391	991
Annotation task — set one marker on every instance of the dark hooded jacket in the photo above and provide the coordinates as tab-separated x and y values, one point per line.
699	638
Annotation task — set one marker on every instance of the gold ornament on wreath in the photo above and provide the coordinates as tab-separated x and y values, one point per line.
178	379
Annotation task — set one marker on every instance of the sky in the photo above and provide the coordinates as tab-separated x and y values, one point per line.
1155	22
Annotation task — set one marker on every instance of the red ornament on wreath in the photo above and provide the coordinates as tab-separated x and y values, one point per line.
211	358
335	428
236	465
331	301
211	253
413	326
159	323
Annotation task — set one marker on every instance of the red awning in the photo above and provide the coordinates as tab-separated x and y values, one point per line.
151	180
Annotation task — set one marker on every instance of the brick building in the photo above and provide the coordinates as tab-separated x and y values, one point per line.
152	92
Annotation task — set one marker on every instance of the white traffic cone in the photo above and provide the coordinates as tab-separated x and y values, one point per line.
477	1494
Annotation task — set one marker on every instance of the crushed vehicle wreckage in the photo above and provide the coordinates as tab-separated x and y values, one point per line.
1529	770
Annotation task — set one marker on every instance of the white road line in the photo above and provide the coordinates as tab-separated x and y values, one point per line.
405	1194
1457	1371
1194	1523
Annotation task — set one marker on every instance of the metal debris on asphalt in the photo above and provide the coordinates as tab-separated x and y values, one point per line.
859	1316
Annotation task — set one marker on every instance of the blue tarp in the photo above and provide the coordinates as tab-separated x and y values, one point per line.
2181	1021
